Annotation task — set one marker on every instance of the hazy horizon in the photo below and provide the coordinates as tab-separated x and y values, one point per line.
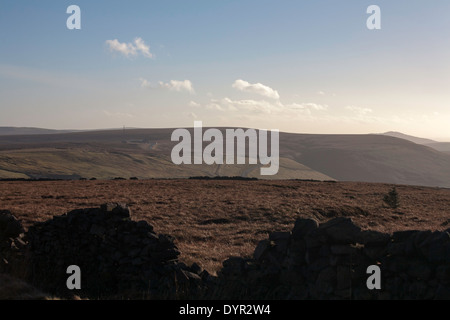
300	67
170	128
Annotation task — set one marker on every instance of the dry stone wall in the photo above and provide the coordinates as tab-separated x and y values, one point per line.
118	257
12	244
126	259
330	261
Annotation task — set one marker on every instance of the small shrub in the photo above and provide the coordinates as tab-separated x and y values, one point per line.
391	199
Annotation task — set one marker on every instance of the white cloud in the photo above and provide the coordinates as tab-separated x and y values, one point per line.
143	48
145	83
173	85
321	93
215	106
359	110
178	86
118	114
364	115
130	49
265	107
194	104
191	115
127	49
308	106
251	105
257	88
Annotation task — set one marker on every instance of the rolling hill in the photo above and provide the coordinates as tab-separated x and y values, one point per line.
409	138
371	158
439	146
11	131
145	153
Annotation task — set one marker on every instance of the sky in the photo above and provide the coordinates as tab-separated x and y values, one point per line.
297	66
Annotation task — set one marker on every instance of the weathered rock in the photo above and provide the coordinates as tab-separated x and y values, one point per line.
233	266
123	258
374	252
343	249
117	256
10	227
324	284
16	289
399	236
419	269
330	260
341	230
196	268
279	236
304	227
344	277
119	209
443	293
443	273
371	237
97	230
436	247
261	249
281	240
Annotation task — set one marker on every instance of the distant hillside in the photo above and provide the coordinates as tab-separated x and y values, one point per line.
408	137
142	153
10	131
439	146
370	158
145	153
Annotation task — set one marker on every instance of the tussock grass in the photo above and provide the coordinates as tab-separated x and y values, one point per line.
213	220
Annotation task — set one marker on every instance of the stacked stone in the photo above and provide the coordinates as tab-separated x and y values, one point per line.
11	243
125	259
330	261
118	257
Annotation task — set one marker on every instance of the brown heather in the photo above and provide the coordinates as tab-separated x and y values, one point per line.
214	219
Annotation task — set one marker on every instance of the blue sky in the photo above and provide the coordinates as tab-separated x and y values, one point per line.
297	66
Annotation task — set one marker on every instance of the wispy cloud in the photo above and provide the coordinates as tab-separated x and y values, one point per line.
359	110
178	86
173	85
130	49
118	114
145	83
261	106
194	104
191	115
309	106
142	48
256	88
213	105
265	107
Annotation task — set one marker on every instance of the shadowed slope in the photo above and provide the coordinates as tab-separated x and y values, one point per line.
145	153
